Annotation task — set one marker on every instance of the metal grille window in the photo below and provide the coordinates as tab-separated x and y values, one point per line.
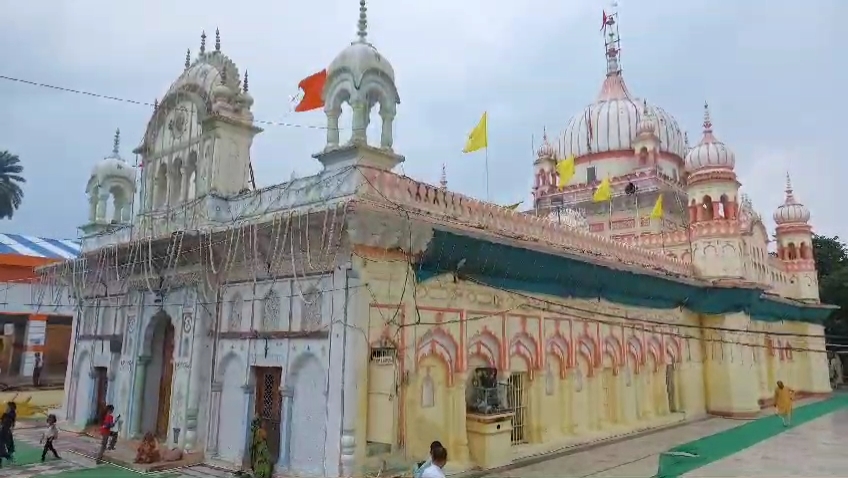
269	406
515	389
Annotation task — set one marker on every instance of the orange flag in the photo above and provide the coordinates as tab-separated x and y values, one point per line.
312	87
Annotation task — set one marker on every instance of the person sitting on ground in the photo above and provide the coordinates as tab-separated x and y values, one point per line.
148	450
436	470
423	465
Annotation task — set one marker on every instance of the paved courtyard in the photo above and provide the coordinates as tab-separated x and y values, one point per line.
813	449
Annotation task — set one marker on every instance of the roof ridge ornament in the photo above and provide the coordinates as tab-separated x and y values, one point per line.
116	144
790	196
708	122
362	25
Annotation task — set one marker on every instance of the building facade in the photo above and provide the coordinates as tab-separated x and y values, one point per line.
361	314
34	320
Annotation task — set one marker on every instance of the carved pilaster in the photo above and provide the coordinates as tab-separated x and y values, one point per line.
214	418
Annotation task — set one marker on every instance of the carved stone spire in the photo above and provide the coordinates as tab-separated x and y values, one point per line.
116	144
203	42
362	30
245	81
188	58
217	40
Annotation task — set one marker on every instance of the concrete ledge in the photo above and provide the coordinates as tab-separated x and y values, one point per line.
532	460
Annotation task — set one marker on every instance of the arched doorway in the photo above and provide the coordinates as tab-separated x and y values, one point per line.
159	345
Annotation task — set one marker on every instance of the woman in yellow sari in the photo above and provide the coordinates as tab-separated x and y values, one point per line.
783	397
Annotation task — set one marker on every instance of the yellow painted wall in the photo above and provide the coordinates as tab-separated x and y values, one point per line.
594	368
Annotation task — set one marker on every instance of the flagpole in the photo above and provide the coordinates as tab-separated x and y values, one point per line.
487	173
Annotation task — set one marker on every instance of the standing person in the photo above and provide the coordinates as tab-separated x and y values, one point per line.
783	397
435	470
49	436
36	370
105	432
423	465
7	423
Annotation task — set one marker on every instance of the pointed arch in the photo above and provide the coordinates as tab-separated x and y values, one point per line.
523	345
485	344
672	349
438	343
612	344
558	346
586	349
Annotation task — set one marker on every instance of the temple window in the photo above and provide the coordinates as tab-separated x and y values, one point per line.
707	208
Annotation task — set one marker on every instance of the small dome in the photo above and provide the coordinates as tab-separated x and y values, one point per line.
791	211
546	150
710	153
361	56
648	121
113	166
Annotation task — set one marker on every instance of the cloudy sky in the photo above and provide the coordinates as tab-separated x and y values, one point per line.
770	71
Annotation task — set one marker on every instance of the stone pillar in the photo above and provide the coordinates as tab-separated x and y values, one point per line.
184	175
248	414
285	427
102	201
386	139
459	433
214	419
194	386
355	359
360	122
138	395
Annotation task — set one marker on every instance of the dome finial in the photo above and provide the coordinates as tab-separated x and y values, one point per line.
203	42
790	197
116	144
612	43
708	122
362	31
188	58
544	134
245	81
443	182
217	40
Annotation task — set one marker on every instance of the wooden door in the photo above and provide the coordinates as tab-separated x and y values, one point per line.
269	406
164	409
101	387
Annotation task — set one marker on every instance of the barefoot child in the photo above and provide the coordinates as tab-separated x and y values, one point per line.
49	436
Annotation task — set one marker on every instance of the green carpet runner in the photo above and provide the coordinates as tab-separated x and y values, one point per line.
693	455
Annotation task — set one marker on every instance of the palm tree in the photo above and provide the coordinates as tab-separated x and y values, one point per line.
11	193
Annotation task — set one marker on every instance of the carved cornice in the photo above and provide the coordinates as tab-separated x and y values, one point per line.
388	231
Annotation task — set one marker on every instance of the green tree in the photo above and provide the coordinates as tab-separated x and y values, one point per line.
11	194
832	265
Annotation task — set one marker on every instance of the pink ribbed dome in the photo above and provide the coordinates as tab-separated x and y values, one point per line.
710	153
791	211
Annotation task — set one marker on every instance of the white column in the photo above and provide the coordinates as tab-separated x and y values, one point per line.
285	428
214	419
138	394
356	354
194	385
247	413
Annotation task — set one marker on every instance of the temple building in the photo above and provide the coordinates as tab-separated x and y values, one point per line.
360	314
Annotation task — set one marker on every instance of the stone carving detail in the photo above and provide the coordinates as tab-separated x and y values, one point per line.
311	309
236	307
271	311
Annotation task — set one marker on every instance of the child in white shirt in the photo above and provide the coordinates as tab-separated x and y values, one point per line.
49	436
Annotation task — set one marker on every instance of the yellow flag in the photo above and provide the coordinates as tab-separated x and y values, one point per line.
604	191
657	213
513	207
565	171
478	138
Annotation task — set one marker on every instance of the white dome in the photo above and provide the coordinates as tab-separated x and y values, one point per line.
113	166
358	58
791	211
648	122
611	124
361	56
710	153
